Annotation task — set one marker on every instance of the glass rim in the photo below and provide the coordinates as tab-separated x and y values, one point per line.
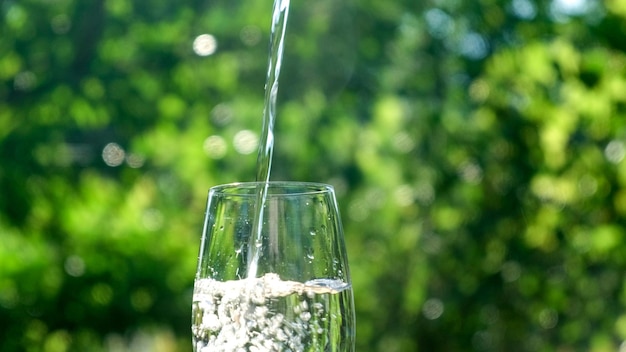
302	187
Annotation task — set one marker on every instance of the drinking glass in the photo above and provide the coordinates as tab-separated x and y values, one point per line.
276	279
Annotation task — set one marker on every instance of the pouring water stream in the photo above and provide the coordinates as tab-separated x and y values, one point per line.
266	147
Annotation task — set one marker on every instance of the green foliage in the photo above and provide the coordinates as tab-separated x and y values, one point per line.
478	150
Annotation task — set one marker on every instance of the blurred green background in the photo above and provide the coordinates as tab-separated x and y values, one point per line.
477	148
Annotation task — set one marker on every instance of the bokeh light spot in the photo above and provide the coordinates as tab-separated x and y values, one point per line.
152	219
113	155
433	309
215	147
404	195
357	211
135	161
25	81
74	266
403	142
250	35
479	90
57	341
615	151
432	244
440	24
16	17
510	271
570	7
548	318
141	300
102	294
471	172
205	45
473	46
425	193
587	185
61	24
245	142
221	114
524	9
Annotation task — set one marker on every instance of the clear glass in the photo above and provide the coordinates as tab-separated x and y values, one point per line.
298	297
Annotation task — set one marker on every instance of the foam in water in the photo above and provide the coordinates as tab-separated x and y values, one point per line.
267	314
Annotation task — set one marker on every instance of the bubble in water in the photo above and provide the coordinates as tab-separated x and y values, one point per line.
235	315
